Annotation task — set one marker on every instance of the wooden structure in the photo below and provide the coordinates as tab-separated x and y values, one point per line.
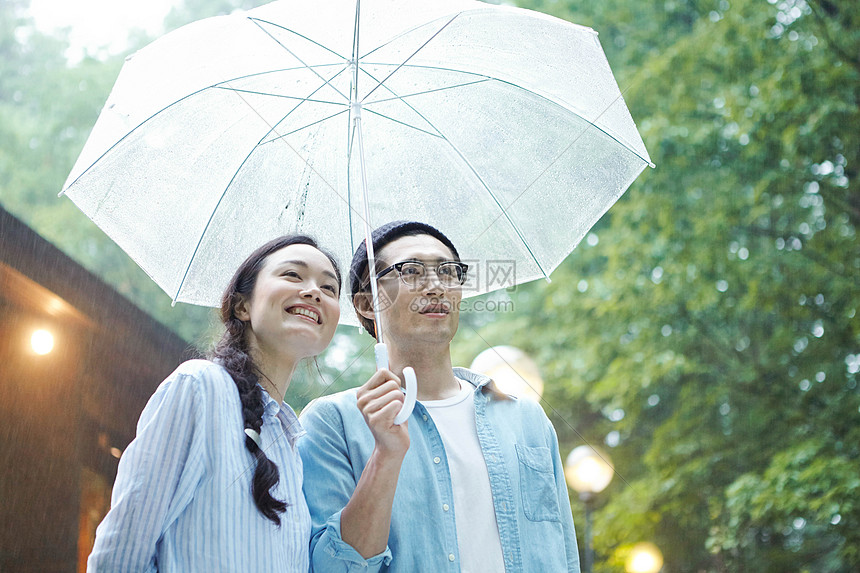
67	415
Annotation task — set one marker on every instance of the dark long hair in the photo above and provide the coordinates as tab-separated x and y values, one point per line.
233	353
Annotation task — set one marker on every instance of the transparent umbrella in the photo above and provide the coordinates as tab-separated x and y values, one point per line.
502	127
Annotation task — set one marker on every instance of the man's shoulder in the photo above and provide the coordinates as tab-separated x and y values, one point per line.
341	404
495	395
333	419
516	411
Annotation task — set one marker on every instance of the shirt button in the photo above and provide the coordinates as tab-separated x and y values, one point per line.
445	506
451	557
425	417
436	460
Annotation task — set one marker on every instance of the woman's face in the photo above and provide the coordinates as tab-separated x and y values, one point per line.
293	309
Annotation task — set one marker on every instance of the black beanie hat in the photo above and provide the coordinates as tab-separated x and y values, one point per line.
384	235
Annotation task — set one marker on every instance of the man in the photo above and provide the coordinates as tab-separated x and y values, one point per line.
473	482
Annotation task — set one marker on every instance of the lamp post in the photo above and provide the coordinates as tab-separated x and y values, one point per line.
644	557
588	471
513	371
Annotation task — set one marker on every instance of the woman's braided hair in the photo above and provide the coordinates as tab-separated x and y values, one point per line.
233	353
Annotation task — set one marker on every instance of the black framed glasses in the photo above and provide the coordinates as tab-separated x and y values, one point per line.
414	273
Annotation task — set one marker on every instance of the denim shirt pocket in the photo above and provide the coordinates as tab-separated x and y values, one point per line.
537	483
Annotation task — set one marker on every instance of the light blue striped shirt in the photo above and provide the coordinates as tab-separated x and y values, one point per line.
182	498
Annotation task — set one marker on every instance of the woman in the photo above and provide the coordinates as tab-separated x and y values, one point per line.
213	481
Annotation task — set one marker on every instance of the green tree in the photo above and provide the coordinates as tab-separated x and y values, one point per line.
709	331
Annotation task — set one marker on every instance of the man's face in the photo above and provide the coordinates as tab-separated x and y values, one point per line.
427	312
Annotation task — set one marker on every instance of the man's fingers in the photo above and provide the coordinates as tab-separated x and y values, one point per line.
370	404
377	386
385	414
380	402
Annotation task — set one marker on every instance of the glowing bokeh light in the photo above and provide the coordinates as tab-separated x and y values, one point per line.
42	342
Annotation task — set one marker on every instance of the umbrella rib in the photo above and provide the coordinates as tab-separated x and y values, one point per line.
425	92
560	155
414	28
183	98
473	170
504	212
306	99
281	136
303	100
407	104
482	182
282	96
403	123
123	138
232	179
543	97
412	55
521	88
311	68
470	166
275	71
291	31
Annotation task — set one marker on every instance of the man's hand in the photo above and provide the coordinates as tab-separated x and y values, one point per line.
366	519
379	401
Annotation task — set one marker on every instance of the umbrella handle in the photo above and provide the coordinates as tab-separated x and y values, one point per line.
381	352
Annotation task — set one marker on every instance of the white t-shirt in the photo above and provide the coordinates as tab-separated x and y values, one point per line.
477	531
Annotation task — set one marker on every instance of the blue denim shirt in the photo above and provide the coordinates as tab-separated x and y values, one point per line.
526	478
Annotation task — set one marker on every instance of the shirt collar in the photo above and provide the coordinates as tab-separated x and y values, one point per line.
293	429
473	378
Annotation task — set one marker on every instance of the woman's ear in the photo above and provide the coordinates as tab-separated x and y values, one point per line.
241	309
363	303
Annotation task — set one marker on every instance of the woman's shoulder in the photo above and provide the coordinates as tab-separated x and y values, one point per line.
200	368
200	375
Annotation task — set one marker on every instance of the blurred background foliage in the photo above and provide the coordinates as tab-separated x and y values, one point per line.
704	333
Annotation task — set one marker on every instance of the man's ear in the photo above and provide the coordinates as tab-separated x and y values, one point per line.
241	309
363	303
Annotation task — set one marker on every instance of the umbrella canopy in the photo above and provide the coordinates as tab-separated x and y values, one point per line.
502	127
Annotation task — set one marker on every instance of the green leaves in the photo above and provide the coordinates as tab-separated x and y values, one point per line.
712	336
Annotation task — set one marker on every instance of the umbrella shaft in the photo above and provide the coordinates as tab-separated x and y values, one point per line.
368	229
